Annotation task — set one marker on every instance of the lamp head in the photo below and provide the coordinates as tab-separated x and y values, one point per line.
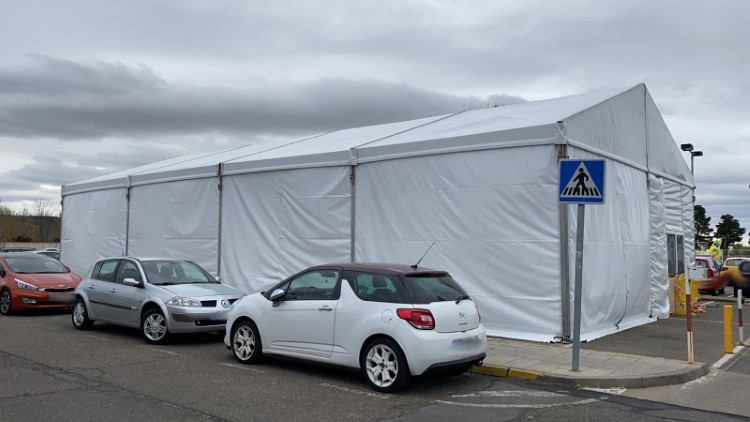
696	153
686	147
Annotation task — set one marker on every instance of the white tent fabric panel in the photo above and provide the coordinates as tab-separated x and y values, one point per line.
488	212
688	225
663	154
330	149
278	223
176	220
673	207
616	280
93	227
658	248
617	126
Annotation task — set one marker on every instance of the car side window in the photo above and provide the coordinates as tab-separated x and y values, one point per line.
128	269
105	271
377	287
313	285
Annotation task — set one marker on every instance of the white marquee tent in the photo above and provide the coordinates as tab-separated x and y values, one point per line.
483	184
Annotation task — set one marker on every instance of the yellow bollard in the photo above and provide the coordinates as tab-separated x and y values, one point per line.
728	340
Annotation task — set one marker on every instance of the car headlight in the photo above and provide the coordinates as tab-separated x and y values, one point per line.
183	301
26	286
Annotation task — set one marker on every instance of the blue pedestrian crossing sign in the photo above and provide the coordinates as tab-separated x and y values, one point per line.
582	181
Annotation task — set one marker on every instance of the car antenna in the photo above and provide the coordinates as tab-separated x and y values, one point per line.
414	267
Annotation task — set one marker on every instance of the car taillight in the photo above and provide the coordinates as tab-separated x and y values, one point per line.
419	318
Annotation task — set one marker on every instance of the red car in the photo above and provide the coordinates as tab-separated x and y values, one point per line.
33	281
716	281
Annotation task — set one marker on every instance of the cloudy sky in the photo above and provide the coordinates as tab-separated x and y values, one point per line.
88	87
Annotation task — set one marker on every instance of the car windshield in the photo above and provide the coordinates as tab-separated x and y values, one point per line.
34	264
734	262
433	287
176	272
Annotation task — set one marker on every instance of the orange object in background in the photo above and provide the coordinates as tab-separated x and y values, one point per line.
34	281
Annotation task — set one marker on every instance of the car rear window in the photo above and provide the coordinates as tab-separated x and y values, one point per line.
432	287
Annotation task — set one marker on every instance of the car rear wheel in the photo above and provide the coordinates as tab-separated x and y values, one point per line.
80	316
154	327
246	345
384	366
6	304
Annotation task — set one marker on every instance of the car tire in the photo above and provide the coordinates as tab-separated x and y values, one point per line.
154	327
721	291
246	345
6	302
80	316
384	366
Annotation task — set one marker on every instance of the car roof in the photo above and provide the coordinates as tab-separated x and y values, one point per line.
379	267
20	254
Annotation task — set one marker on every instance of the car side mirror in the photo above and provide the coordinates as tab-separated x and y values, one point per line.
724	268
131	282
276	295
218	278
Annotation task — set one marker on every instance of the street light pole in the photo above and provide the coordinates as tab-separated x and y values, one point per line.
686	264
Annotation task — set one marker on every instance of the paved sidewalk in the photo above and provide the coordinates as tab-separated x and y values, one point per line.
552	362
645	356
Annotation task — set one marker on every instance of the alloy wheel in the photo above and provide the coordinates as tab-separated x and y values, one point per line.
155	327
244	342
381	365
79	312
5	302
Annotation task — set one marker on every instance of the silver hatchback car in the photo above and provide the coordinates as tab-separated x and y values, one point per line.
159	296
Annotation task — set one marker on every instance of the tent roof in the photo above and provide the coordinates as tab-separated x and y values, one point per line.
530	123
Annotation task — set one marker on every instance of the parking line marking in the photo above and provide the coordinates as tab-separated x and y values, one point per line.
355	391
244	367
510	393
519	406
154	349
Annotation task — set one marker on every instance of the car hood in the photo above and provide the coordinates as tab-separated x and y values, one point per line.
202	290
49	280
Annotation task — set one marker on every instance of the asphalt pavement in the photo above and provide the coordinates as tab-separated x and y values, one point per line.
649	355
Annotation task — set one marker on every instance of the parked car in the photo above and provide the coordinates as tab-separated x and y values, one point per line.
51	254
389	321
743	284
30	281
731	267
715	282
159	296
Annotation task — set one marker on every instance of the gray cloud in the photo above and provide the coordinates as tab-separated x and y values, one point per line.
63	99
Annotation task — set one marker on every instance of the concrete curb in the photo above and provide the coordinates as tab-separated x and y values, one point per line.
666	378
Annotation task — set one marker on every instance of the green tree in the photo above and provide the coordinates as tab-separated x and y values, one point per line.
729	229
702	224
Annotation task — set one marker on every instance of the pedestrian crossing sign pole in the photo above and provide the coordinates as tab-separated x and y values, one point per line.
581	182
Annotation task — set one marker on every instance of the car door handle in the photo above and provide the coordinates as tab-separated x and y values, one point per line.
325	308
92	288
113	290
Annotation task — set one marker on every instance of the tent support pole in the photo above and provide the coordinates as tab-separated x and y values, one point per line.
352	217
221	206
562	153
127	219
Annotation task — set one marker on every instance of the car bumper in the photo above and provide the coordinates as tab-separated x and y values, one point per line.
427	350
196	320
27	299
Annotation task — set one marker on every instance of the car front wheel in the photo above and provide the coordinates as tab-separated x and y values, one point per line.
80	316
6	306
154	327
384	366
246	345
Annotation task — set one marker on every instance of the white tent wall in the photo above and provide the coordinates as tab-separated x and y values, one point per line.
658	248
280	222
688	224
616	280
176	220
93	227
492	213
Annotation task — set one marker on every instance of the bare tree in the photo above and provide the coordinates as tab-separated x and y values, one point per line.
42	207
